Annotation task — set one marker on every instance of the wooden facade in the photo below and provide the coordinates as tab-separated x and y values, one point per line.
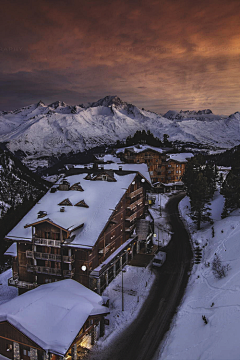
15	345
48	258
161	167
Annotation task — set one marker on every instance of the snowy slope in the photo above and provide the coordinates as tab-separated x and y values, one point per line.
45	130
217	299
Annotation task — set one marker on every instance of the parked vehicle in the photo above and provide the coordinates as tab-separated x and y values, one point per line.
159	259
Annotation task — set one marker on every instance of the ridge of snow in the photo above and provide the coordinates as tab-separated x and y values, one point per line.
45	130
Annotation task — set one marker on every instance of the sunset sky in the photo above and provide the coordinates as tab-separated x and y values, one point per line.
160	55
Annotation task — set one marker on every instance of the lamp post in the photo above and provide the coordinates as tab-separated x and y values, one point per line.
122	290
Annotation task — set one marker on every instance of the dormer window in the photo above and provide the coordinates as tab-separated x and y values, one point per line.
42	214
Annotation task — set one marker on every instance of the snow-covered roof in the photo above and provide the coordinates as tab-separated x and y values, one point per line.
108	157
12	250
141	168
181	157
53	314
101	197
140	148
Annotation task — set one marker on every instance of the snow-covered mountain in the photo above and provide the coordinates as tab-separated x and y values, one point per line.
45	130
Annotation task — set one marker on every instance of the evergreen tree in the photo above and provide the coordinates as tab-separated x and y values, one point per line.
200	181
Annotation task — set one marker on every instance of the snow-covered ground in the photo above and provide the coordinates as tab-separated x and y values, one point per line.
137	282
162	230
217	299
42	130
6	292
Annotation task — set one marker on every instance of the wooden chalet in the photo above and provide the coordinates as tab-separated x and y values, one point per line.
51	322
69	233
163	167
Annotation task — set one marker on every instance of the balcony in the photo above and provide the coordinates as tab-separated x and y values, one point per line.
50	257
50	271
132	217
46	242
135	193
135	204
44	270
130	228
21	284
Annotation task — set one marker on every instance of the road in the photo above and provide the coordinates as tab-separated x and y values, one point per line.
142	338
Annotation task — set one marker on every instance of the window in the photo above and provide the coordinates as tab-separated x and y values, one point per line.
169	165
104	177
47	234
177	171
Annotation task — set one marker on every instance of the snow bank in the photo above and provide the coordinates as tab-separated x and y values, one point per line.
216	299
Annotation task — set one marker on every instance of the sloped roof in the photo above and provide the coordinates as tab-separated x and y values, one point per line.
100	196
53	314
181	157
12	250
140	148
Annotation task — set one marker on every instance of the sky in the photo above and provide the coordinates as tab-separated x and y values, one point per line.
156	54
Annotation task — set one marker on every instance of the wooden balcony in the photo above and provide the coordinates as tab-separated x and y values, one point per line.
46	242
21	284
44	270
135	204
132	217
130	228
50	257
50	271
135	193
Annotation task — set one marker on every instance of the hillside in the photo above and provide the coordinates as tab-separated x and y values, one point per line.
216	299
19	190
44	130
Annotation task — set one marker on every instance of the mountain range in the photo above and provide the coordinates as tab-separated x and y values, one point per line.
46	130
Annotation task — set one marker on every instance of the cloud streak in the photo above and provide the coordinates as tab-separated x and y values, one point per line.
157	55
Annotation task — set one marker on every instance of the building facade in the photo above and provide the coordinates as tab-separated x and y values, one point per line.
81	222
163	167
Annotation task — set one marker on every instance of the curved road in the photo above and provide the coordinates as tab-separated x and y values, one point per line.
142	338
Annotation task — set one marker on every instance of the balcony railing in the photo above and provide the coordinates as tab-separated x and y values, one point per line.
134	205
132	217
50	271
135	193
47	256
47	242
44	270
130	228
21	284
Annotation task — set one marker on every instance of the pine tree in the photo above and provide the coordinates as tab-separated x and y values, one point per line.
200	181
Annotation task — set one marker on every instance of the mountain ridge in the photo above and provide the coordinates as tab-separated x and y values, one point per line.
45	130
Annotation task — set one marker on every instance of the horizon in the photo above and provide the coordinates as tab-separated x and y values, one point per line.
46	103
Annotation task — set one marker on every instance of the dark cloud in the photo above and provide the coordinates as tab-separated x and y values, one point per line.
168	54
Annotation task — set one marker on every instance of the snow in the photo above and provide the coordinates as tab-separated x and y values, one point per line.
137	282
141	168
53	314
139	148
6	292
216	299
181	157
110	158
12	250
162	231
100	196
51	130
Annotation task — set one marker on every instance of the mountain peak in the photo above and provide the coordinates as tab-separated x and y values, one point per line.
40	103
107	101
56	104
